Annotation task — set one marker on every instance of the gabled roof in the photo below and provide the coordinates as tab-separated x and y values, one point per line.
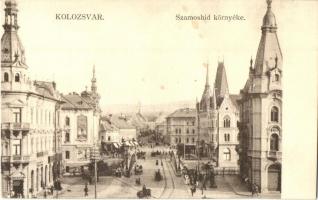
183	113
75	101
45	88
220	84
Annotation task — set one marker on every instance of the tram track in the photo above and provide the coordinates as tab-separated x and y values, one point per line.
166	193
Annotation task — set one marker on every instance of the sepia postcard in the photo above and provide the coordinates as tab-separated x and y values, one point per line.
133	99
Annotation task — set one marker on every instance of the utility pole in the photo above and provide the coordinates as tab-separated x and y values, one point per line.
95	170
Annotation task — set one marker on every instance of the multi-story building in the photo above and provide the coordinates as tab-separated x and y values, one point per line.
79	117
217	122
182	129
28	118
261	112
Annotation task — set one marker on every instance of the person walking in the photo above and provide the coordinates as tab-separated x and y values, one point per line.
85	190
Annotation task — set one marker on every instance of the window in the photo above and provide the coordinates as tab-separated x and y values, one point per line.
193	123
193	131
67	137
187	140
188	131
227	137
108	138
17	77
193	140
67	121
179	130
67	155
274	114
176	131
276	77
16	147
227	122
179	140
227	154
6	77
274	142
67	169
176	140
17	115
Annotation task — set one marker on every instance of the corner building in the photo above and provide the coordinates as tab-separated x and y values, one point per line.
261	112
28	119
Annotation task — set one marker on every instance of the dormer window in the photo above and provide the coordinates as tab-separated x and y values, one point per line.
17	77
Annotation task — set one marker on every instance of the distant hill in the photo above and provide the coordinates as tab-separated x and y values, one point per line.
148	109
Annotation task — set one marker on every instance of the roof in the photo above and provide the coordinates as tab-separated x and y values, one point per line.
75	101
269	47
233	97
220	84
183	113
107	125
46	89
121	122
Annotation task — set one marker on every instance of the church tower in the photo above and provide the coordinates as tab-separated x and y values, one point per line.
261	116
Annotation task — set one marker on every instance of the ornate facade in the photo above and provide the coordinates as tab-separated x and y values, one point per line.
261	112
217	115
29	133
79	117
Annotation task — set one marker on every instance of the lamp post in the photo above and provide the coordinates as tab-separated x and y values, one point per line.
94	158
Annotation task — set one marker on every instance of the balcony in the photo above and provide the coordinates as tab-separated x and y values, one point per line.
274	155
15	126
20	159
5	159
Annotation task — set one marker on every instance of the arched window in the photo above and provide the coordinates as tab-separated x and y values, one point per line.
227	154
274	114
67	121
227	122
6	77
274	142
17	77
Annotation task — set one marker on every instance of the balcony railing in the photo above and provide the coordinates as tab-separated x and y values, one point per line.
274	154
15	158
15	126
5	159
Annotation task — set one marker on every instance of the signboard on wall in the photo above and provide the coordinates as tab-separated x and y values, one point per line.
81	127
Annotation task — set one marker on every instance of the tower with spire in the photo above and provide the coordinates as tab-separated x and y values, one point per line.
261	111
28	113
216	106
92	97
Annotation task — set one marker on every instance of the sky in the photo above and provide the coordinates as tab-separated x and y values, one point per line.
143	54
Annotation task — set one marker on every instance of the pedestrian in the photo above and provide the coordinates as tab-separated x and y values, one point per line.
192	189
45	194
86	190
